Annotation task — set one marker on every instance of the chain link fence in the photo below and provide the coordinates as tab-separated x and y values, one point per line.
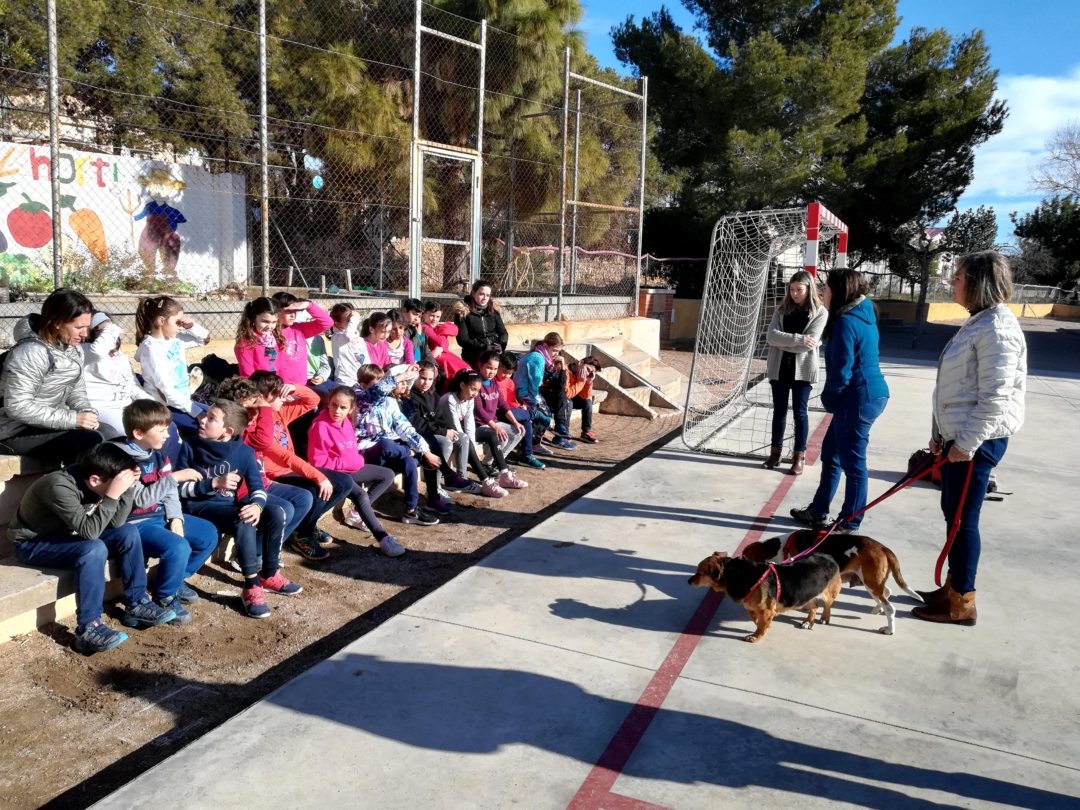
892	287
191	147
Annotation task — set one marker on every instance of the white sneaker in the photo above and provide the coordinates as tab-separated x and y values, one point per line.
391	547
509	480
491	489
354	521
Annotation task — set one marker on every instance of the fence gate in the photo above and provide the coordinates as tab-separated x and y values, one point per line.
446	172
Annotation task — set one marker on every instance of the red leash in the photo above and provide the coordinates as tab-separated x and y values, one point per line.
757	585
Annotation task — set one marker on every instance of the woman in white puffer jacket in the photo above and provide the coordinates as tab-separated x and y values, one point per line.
978	404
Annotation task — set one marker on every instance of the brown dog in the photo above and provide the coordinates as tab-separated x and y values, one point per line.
766	590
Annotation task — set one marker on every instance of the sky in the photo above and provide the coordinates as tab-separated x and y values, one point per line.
1033	45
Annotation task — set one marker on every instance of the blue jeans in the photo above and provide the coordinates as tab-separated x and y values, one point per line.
342	484
300	499
844	449
178	557
266	536
88	557
964	556
799	393
526	422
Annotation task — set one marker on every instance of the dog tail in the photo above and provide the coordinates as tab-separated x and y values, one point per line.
894	569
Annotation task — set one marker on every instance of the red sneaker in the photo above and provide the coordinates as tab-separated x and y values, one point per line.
278	584
254	600
589	437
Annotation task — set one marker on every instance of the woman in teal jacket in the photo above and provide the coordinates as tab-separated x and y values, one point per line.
855	394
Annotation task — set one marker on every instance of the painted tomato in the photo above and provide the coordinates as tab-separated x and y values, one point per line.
30	224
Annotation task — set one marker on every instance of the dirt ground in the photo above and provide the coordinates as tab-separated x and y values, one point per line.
72	729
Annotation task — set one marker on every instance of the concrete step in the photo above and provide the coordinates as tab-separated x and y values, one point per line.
666	380
613	374
636	361
612	346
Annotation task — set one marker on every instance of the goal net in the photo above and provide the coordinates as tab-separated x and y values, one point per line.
752	256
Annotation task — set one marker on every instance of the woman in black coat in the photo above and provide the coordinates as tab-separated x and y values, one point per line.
480	325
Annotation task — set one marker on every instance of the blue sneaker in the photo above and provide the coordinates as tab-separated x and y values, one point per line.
145	613
531	461
440	507
563	444
186	595
174	604
324	539
561	431
97	637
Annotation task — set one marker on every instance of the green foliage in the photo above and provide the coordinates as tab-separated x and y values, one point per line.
1055	228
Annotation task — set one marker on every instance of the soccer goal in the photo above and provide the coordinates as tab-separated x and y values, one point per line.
752	256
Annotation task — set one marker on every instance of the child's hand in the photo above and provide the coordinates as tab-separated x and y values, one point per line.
228	481
122	482
187	475
176	526
433	460
326	489
437	351
502	434
185	322
297	306
316	380
520	428
452	435
250	513
287	391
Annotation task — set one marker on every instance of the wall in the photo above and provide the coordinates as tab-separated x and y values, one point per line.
940	313
167	218
685	324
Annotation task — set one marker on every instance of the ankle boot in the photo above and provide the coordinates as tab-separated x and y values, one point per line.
957	609
797	463
774	458
938	596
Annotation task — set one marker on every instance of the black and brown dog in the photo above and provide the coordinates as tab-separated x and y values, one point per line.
766	590
862	561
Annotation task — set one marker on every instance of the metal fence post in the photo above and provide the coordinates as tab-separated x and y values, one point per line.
416	167
54	144
573	221
478	181
510	204
264	155
562	185
641	197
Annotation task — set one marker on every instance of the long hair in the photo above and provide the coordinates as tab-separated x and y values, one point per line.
150	309
375	321
846	286
987	279
62	306
812	302
492	305
245	334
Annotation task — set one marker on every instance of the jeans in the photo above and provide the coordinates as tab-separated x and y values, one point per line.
187	426
267	535
299	499
844	449
526	422
964	555
64	446
380	479
342	485
88	558
799	393
399	458
499	449
178	557
557	400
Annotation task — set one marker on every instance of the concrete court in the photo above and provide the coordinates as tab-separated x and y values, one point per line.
504	688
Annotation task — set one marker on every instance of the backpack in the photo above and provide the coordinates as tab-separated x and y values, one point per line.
918	459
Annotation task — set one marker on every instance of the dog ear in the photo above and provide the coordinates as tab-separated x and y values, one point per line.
720	555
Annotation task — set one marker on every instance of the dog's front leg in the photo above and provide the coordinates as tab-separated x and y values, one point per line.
763	620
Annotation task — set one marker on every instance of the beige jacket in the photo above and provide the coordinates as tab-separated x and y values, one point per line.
807	361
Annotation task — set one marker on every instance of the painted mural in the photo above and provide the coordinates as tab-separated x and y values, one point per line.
180	220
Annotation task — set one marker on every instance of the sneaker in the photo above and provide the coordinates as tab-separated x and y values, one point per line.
456	482
563	444
254	600
492	471
441	507
561	431
186	595
589	437
278	584
491	489
323	539
532	461
806	517
235	563
541	450
97	637
146	614
308	548
173	603
419	517
509	480
354	521
391	547
845	528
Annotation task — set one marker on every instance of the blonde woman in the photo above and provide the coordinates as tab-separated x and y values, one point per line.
794	335
978	404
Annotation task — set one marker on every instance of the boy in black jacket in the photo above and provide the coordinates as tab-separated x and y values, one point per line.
230	495
421	410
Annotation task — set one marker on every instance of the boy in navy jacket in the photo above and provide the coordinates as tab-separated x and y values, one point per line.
229	493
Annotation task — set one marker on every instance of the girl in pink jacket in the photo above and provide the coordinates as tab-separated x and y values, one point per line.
332	446
270	340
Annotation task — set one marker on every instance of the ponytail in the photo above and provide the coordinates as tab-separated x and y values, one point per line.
149	310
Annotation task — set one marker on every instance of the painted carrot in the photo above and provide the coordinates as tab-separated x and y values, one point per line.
87	226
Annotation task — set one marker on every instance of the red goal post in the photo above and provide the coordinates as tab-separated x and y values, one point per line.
820	221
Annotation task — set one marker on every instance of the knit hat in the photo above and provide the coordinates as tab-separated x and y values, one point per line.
98	319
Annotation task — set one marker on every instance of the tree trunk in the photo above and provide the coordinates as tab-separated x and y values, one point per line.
920	307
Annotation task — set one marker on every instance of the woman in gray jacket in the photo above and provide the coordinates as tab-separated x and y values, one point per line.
792	367
978	403
44	412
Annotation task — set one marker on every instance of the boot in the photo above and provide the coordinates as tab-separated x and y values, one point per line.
938	596
797	462
957	609
774	458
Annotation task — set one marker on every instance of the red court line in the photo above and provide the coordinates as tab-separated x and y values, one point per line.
595	793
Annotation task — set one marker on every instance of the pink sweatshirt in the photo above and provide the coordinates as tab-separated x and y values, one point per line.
290	362
379	354
333	446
